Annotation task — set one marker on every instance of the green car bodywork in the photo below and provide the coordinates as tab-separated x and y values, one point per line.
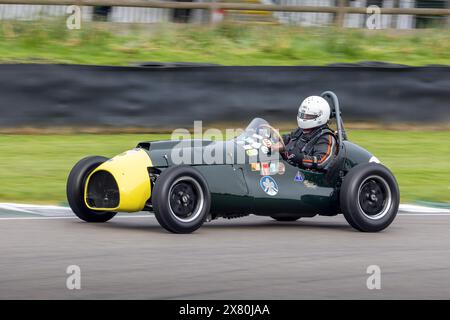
186	182
235	188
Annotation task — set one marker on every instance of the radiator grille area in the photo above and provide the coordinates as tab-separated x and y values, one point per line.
102	191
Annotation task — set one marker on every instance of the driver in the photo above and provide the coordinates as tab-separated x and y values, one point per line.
313	144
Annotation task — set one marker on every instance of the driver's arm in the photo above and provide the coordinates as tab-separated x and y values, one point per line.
286	138
279	147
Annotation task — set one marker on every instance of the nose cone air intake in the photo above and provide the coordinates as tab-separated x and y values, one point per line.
102	191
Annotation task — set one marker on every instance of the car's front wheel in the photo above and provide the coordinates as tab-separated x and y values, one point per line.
369	197
181	199
75	190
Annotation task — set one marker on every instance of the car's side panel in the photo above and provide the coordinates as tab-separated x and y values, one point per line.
355	155
236	189
229	191
299	191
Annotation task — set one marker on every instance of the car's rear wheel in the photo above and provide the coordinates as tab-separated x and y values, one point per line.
181	199
369	197
75	190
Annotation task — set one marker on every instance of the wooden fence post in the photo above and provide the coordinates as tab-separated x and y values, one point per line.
340	14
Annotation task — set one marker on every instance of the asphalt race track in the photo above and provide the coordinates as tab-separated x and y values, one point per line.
131	257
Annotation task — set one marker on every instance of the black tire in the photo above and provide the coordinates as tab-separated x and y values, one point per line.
285	218
75	190
369	197
181	199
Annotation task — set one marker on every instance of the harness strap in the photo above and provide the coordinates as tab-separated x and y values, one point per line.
311	143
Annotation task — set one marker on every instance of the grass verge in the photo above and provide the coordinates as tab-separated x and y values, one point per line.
237	44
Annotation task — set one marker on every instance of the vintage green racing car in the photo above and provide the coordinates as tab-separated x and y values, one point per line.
184	188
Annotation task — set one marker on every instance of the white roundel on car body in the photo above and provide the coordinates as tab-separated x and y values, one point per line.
269	185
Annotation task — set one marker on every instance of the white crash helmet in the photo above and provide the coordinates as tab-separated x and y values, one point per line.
313	112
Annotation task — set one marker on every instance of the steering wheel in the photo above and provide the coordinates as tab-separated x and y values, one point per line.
274	136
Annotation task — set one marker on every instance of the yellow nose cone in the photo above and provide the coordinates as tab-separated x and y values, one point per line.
129	170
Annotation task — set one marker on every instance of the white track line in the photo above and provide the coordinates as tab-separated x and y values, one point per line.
152	216
412	208
424	214
49	212
409	208
74	217
17	206
11	207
